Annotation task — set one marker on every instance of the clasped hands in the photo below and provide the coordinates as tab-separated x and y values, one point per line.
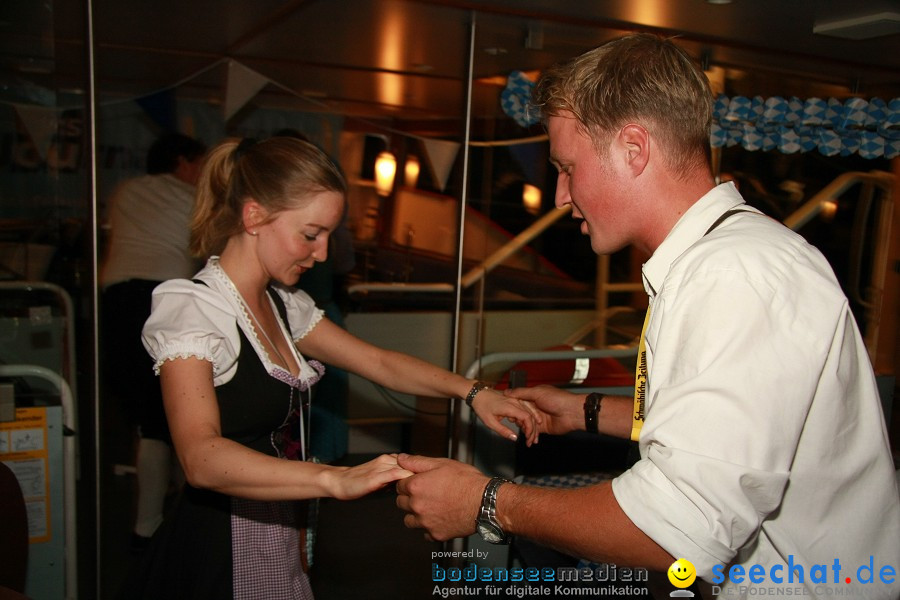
443	496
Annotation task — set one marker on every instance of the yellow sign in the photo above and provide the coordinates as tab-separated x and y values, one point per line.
23	448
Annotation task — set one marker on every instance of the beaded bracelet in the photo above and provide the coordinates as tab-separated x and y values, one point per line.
476	387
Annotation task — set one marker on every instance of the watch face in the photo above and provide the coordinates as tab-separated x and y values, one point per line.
490	533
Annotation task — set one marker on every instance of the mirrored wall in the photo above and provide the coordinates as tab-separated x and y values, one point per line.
47	289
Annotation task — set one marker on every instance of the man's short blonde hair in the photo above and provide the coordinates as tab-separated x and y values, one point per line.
640	78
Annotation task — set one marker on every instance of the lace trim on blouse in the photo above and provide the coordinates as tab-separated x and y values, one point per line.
182	350
318	314
302	382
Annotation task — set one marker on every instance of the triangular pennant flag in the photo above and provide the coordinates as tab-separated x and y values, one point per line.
160	107
243	84
41	123
441	155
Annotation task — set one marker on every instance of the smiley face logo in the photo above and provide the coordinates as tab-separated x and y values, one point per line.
682	573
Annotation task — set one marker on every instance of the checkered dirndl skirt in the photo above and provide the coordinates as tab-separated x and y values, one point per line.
267	547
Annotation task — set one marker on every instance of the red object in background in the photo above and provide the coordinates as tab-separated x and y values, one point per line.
600	372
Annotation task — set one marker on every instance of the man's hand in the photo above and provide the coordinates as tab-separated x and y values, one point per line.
559	411
443	497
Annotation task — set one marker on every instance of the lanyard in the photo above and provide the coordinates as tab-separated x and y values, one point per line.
640	369
640	383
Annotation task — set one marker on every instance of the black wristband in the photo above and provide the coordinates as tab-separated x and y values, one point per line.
591	408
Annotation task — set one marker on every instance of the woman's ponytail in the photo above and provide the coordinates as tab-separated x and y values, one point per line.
215	219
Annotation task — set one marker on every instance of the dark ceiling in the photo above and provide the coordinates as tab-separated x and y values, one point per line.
408	61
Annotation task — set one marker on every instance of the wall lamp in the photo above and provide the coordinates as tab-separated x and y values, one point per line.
385	170
531	198
411	171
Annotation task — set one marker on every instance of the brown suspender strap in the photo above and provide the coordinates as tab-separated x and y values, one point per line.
724	216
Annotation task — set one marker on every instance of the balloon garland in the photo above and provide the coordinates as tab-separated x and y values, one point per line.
870	128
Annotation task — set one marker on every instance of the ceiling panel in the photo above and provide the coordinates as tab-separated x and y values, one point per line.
408	60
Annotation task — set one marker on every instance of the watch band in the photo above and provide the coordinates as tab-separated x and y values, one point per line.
591	409
488	510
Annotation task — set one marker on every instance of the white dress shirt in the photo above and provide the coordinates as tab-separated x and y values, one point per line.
149	220
764	440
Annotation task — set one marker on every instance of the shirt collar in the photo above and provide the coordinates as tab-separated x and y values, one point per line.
690	227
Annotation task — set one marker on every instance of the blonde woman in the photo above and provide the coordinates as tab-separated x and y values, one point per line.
237	349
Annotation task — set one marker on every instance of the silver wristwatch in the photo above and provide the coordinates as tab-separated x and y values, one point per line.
487	524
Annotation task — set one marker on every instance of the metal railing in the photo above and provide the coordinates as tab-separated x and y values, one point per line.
478	272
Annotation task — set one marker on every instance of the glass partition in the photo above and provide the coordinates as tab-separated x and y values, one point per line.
540	307
47	287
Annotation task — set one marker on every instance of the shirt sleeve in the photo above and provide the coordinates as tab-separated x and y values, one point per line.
303	314
734	379
190	320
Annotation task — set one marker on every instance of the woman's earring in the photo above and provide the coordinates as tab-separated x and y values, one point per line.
254	232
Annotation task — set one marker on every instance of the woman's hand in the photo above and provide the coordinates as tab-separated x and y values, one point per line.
492	407
348	483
